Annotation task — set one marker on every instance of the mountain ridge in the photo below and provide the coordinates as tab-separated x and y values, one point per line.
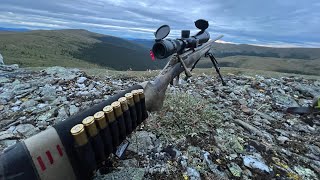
84	49
14	29
228	49
73	48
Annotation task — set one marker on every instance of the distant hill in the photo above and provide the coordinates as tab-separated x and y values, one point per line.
288	60
84	49
74	48
148	43
296	66
14	29
226	50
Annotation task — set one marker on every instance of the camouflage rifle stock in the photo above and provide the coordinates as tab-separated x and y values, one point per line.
77	147
155	90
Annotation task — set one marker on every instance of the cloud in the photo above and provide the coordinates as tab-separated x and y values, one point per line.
288	22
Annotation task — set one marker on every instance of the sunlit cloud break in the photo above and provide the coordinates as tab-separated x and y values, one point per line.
285	23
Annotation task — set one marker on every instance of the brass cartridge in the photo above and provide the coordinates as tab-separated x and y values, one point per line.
136	97
108	110
129	97
141	93
117	108
100	118
124	103
79	134
90	126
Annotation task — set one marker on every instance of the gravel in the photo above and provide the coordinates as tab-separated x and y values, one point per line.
228	132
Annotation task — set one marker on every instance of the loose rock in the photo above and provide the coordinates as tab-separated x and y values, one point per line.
73	110
235	169
305	173
256	162
27	130
242	125
193	174
81	80
142	142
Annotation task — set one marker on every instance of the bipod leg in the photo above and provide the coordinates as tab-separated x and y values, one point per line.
215	64
194	65
186	70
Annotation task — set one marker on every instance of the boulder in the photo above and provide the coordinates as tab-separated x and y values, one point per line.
48	93
63	73
7	135
27	130
256	162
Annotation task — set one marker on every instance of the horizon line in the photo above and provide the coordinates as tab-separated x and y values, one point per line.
269	45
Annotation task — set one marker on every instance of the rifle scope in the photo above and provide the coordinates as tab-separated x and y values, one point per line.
163	48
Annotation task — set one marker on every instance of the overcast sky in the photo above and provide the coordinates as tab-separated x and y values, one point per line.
265	22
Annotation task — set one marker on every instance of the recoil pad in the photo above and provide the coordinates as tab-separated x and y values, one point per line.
16	163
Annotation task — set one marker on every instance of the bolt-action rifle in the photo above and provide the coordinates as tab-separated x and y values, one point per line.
185	53
80	145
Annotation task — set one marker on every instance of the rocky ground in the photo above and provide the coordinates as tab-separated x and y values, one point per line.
204	131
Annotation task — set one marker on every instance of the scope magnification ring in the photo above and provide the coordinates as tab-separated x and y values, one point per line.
174	45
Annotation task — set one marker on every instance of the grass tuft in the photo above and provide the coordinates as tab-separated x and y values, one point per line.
184	115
